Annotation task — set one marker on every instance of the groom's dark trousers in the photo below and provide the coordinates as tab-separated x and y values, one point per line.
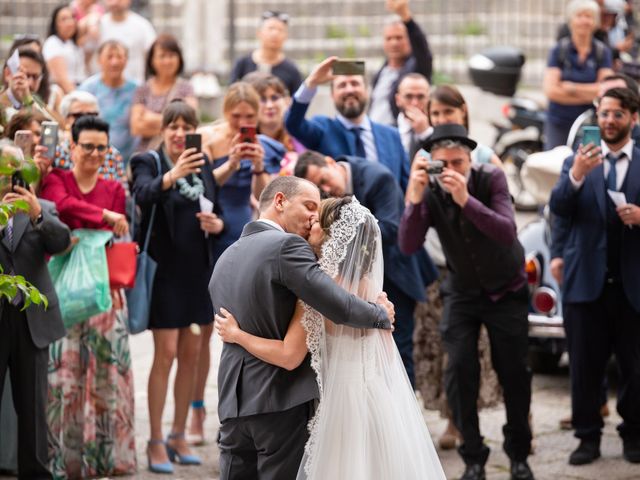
267	446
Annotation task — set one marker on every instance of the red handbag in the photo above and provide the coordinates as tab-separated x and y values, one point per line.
121	261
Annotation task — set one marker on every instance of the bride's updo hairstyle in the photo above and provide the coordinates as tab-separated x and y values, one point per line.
365	239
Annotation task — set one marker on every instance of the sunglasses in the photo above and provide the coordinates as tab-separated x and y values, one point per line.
283	17
77	115
90	147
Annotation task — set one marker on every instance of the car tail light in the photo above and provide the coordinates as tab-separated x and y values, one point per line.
544	300
533	270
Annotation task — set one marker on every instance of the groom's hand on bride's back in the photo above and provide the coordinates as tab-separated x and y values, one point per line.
384	302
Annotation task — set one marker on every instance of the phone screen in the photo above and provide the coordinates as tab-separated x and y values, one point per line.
49	137
193	140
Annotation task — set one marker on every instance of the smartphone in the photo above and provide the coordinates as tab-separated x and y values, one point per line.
24	140
248	134
194	140
346	66
17	180
591	135
49	137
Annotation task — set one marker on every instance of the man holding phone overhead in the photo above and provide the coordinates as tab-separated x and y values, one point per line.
599	192
351	132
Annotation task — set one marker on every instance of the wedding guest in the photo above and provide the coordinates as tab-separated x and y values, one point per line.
164	66
241	168
75	105
482	237
29	237
406	51
269	56
183	241
132	29
115	95
26	120
61	50
90	376
412	99
575	66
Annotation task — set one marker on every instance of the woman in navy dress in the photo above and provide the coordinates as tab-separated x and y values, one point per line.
241	168
182	242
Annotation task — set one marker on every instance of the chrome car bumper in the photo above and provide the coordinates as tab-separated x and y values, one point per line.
542	326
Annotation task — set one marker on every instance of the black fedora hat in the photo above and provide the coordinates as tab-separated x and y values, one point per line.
449	131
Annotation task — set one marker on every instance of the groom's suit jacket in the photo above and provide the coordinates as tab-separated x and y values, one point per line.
259	280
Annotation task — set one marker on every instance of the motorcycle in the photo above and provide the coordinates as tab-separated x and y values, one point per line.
497	70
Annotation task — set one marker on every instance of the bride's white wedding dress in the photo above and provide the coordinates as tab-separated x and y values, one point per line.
369	425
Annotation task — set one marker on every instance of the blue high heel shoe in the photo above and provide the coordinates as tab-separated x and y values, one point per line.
165	467
175	456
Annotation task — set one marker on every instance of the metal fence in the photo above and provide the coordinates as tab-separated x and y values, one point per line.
212	30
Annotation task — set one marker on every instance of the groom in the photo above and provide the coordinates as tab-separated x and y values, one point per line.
263	409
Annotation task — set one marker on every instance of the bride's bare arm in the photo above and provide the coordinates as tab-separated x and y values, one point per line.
288	353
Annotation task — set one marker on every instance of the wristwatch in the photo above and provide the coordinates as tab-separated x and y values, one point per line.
38	220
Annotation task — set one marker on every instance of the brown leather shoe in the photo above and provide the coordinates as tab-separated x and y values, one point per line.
449	437
565	423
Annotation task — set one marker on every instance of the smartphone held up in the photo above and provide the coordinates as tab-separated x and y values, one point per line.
49	138
348	66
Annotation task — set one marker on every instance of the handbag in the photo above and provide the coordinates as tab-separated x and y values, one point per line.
139	297
121	261
81	279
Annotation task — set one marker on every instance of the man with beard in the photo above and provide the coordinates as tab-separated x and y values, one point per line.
351	132
599	190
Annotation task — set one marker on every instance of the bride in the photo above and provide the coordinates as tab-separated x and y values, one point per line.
368	424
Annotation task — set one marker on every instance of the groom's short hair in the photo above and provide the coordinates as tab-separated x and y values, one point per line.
288	186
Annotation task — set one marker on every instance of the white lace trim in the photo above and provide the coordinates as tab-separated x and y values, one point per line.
334	250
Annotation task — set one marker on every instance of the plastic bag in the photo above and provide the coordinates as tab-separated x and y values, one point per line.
81	277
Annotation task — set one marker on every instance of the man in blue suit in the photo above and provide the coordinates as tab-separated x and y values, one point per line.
351	132
602	273
405	276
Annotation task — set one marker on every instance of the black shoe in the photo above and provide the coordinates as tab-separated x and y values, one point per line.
587	452
631	450
521	471
474	471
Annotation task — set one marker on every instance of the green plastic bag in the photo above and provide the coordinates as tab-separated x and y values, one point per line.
81	277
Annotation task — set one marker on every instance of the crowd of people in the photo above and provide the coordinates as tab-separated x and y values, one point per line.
427	218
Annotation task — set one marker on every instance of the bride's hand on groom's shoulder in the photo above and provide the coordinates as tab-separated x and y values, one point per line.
227	326
384	302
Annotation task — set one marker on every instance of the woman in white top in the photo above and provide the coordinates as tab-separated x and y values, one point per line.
65	59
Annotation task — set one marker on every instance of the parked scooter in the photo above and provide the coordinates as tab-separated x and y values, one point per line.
497	70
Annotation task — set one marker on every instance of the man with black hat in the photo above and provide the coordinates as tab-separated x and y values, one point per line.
470	207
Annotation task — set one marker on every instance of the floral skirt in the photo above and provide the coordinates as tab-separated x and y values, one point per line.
90	409
430	358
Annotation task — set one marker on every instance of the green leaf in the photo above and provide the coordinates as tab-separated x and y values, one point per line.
21	205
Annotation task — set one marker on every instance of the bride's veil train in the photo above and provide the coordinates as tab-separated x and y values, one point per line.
369	425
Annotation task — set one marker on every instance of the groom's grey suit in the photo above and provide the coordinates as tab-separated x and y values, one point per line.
264	409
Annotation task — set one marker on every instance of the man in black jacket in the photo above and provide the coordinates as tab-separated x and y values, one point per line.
407	51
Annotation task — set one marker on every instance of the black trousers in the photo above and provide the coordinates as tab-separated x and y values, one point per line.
507	326
265	447
28	366
594	331
405	307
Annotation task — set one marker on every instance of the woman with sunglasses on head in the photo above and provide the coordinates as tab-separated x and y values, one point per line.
61	50
269	56
73	106
90	406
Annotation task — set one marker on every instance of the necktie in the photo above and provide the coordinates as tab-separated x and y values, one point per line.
8	232
357	132
612	158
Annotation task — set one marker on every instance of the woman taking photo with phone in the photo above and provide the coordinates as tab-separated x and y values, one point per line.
183	242
243	163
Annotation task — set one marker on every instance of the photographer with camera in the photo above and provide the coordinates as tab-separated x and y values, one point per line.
470	207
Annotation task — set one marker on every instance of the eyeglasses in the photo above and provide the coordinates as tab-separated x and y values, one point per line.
77	115
271	98
90	147
283	17
617	114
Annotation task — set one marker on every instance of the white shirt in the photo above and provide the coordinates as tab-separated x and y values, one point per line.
73	57
380	110
270	222
405	130
137	33
622	165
